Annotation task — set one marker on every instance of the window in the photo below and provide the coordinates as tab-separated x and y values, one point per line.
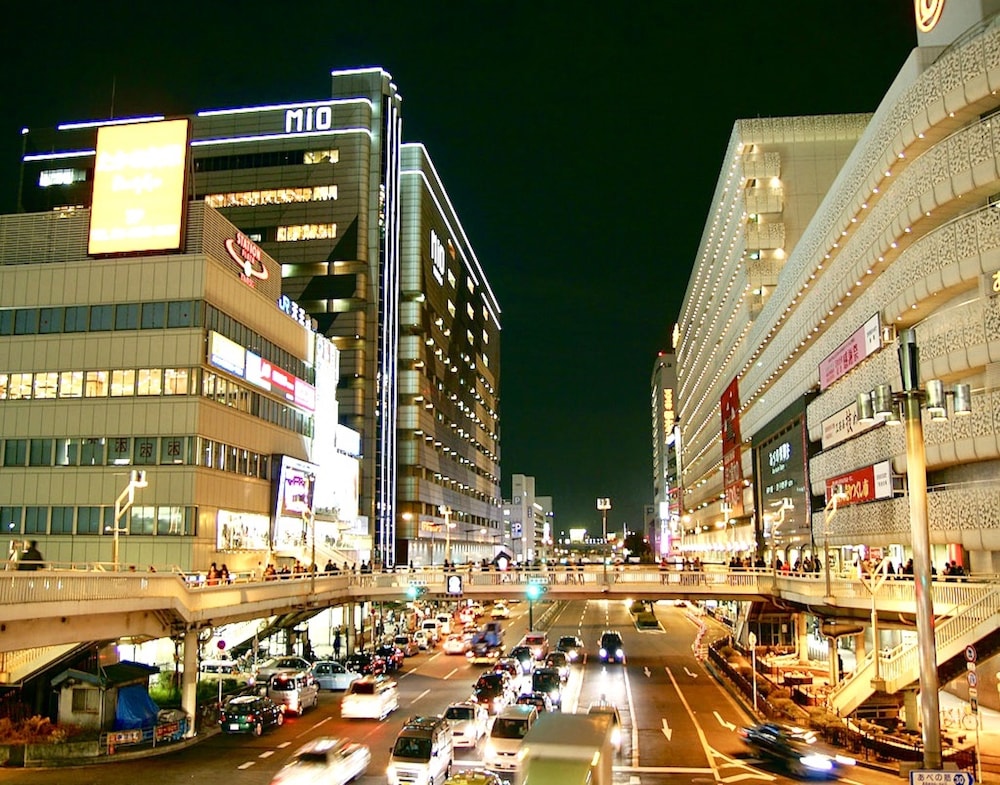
36	520
19	387
25	321
50	177
172	449
15	452
145	451
10	519
71	384
86	700
6	322
89	520
294	233
92	452
120	451
127	316
170	520
75	319
96	384
40	452
182	314
176	381
142	520
100	318
321	156
150	381
62	520
122	383
46	384
154	316
50	320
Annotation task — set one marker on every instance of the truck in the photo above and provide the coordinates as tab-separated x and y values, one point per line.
486	644
568	749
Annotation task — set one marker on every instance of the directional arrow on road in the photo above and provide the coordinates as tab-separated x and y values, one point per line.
667	730
692	675
724	723
647	671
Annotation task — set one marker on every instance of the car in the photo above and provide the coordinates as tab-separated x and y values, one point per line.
444	621
797	749
370	697
392	657
474	777
572	647
250	714
367	663
325	759
469	722
547	680
333	675
425	640
422	753
610	647
603	707
538	642
504	746
540	700
219	668
559	661
493	691
500	611
293	691
432	628
277	664
406	644
525	657
456	644
511	666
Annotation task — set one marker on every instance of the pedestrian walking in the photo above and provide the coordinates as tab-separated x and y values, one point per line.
32	558
336	645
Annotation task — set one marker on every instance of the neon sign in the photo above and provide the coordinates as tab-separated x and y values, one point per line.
246	253
928	13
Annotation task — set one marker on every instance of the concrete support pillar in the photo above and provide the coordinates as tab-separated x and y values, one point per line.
802	637
831	644
911	710
189	681
349	628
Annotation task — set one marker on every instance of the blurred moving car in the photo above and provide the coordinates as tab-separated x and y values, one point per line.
605	707
797	749
612	649
572	647
370	697
559	661
468	721
406	644
494	691
500	610
540	700
250	714
456	644
366	663
277	664
391	655
324	759
425	640
332	675
293	691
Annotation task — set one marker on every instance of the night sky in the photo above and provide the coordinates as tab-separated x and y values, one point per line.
580	143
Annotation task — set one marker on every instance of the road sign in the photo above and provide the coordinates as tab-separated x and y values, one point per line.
974	705
927	777
973	679
752	639
221	645
970	653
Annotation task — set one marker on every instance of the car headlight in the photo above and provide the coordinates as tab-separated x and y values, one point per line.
489	751
817	762
571	656
604	652
619	654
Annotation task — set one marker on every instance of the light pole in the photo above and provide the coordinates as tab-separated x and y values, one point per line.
752	640
445	510
604	504
836	497
882	403
137	479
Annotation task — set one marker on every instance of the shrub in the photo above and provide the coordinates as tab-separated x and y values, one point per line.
646	619
785	706
36	730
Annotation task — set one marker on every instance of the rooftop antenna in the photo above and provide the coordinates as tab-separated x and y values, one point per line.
114	84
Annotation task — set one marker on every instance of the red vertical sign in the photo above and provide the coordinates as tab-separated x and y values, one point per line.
732	463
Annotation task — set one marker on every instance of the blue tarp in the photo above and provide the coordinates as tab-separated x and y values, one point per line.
135	708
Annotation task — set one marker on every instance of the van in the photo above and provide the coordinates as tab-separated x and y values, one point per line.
423	752
431	628
502	752
293	691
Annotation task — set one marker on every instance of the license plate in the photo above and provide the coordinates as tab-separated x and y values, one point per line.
234	726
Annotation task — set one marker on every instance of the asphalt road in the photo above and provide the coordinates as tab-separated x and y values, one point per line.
680	725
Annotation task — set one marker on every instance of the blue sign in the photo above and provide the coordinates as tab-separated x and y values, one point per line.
927	777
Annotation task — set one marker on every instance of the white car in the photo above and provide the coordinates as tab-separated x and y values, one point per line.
370	697
469	722
456	644
327	760
500	611
332	675
425	640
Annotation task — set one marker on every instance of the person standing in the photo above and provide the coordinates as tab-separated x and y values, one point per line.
32	558
336	645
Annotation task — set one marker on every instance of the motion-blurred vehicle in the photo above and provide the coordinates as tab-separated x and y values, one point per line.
469	722
370	697
540	700
277	664
250	714
500	610
391	655
572	646
611	648
406	644
456	644
493	691
604	707
332	675
367	663
425	640
559	661
797	749
327	760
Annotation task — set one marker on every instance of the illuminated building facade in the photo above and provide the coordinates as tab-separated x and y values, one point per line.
317	185
828	235
531	520
664	518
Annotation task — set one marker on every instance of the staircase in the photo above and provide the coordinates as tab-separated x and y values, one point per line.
972	620
17	666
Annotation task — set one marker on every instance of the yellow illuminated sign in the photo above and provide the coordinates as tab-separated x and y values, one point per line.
928	13
138	200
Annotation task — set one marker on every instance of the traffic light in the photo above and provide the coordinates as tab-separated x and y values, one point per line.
415	592
535	590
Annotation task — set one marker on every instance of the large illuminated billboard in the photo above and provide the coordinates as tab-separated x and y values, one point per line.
138	200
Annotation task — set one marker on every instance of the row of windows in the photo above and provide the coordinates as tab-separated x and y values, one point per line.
319	193
145	382
158	520
135	451
101	318
224	163
295	233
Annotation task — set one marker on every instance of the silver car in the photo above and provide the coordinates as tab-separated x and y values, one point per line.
327	760
332	675
468	721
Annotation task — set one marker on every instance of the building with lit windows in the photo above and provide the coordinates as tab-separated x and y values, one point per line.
184	367
531	520
317	185
663	518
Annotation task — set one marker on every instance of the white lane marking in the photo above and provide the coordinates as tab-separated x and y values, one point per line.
694	721
266	754
659	770
666	729
421	695
692	675
284	744
635	725
247	765
647	671
453	672
724	723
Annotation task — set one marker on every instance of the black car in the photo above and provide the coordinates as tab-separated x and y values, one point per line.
797	749
525	656
366	663
548	680
540	700
492	691
510	665
611	647
572	647
250	714
392	656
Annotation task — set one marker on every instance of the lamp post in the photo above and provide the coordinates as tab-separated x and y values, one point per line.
836	497
752	640
137	479
604	504
882	403
445	510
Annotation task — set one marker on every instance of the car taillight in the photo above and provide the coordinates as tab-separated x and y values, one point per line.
251	718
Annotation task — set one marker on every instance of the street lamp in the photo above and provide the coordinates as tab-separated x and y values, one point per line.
836	497
137	479
882	403
604	504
